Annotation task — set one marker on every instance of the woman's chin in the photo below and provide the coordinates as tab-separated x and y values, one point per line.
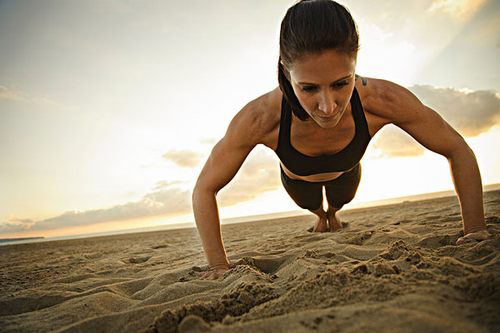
326	122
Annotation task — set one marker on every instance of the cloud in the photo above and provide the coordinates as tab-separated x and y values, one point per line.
208	141
458	9
469	112
10	94
168	201
184	158
17	224
394	142
162	184
259	174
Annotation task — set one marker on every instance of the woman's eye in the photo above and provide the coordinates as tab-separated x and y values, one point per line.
308	88
340	84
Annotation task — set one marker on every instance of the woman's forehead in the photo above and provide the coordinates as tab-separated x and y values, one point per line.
326	67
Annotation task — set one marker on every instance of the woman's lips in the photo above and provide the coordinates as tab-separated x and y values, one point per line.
326	117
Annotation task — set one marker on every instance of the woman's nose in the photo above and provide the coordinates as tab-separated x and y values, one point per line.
327	104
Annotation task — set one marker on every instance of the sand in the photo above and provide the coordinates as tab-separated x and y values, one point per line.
392	268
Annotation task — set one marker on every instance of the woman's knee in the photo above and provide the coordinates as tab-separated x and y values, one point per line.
307	199
306	195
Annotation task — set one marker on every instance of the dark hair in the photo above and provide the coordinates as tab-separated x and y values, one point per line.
310	27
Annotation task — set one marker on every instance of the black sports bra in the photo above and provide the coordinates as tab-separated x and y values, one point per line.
344	160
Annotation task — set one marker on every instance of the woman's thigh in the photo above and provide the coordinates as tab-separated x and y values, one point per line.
342	189
305	194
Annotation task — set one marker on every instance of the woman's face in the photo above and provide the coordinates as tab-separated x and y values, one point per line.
323	84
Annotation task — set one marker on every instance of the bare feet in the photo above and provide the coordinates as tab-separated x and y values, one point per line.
320	225
334	221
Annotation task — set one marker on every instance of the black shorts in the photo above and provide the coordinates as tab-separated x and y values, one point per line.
309	195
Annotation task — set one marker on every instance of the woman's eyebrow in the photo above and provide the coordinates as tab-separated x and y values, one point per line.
314	84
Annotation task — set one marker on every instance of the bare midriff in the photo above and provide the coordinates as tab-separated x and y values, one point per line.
320	177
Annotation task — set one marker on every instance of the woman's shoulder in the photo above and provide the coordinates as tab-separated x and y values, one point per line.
266	107
382	98
260	116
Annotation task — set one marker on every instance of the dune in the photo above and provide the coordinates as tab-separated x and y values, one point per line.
392	268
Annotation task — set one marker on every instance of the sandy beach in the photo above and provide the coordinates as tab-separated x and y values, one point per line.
392	268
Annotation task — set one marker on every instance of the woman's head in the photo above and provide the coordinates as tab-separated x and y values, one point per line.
309	29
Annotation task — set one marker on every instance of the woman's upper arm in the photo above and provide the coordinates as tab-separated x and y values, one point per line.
403	109
227	156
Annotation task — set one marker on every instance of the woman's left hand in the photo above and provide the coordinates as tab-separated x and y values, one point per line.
476	236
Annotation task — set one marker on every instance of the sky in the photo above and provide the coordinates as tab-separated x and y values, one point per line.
109	109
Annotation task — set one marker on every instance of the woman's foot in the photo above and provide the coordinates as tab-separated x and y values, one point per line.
333	221
321	225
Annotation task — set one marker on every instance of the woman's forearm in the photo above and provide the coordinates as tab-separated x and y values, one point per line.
206	215
467	180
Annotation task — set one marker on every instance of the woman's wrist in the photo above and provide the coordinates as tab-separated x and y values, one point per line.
474	229
217	266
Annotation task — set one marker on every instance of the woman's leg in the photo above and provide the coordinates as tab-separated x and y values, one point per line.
333	220
321	224
339	192
307	196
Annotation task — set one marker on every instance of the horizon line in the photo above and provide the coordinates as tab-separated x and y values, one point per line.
243	219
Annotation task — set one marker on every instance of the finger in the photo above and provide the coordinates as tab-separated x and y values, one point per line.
465	239
479	235
483	234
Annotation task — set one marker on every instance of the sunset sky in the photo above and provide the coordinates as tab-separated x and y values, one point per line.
109	109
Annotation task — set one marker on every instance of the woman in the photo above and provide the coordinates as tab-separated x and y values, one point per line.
319	122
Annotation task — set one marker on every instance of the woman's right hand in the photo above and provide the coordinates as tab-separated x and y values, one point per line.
215	273
474	236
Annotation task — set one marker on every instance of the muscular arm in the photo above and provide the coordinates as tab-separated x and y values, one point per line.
217	172
242	135
426	126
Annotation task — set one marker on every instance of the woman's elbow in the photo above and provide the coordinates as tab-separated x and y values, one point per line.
201	188
460	150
